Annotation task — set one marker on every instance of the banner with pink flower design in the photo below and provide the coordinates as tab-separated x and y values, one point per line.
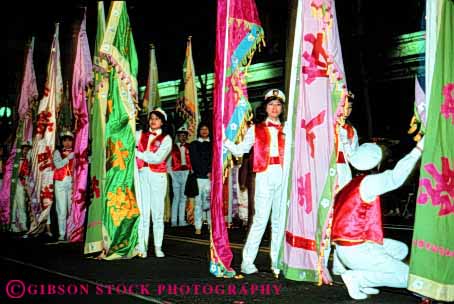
433	242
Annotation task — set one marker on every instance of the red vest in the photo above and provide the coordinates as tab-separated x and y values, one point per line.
176	158
154	146
66	170
262	147
24	170
354	220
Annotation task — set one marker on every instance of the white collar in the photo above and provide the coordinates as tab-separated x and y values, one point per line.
203	139
278	122
158	131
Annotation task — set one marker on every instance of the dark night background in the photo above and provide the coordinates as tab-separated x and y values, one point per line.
367	29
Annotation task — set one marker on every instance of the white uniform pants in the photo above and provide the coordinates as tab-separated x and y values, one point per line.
19	210
267	199
376	265
152	187
202	202
179	199
63	194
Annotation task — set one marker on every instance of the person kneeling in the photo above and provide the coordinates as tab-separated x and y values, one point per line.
357	230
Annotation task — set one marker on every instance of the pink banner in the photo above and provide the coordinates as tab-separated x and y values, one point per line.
82	76
5	190
321	92
28	94
236	40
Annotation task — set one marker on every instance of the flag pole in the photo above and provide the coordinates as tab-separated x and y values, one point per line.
224	71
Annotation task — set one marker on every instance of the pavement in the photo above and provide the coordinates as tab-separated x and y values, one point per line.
39	270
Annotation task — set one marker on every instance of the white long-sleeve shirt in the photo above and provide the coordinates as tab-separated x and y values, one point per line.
376	184
154	157
249	140
60	162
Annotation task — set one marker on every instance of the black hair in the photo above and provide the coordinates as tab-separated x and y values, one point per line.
260	111
159	114
201	125
165	128
63	138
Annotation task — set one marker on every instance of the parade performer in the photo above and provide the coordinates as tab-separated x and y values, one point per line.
152	149
346	143
63	162
267	138
19	207
201	154
179	171
357	227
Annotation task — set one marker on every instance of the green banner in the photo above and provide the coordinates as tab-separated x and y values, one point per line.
98	104
121	213
432	254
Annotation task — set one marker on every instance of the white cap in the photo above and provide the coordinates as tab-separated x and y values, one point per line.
66	133
26	143
183	129
366	157
160	111
275	93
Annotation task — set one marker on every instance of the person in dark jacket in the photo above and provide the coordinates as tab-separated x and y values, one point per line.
200	153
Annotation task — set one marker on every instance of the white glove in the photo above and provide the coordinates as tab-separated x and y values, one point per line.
420	144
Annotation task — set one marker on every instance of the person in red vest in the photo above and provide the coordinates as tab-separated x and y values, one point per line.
19	206
63	177
267	138
371	260
152	149
180	167
346	145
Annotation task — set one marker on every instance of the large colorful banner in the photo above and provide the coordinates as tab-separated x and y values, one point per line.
317	94
121	212
238	34
42	175
98	104
82	77
151	96
28	95
433	243
188	105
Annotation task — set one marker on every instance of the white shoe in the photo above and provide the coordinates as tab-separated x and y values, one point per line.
61	238
158	252
352	284
370	290
248	268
